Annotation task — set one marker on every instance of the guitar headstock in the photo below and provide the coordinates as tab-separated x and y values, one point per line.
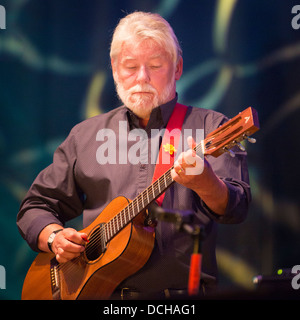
232	133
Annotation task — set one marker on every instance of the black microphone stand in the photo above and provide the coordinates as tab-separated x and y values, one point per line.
183	223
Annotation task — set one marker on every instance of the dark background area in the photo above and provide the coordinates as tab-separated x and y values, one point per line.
55	72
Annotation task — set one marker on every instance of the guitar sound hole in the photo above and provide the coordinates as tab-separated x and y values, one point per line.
96	245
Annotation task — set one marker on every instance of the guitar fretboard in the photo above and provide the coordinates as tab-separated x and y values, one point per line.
141	202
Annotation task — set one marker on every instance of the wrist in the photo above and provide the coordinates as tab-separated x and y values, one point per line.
51	238
44	236
215	197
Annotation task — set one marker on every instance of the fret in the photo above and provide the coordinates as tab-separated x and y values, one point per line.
130	211
124	214
113	225
106	233
124	220
154	191
127	214
120	225
169	177
143	200
117	223
109	229
134	208
120	218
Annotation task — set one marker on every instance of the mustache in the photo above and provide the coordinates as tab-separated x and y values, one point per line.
145	88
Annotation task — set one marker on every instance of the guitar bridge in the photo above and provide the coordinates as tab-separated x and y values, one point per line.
55	281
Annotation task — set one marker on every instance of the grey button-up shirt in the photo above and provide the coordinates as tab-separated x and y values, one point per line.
97	162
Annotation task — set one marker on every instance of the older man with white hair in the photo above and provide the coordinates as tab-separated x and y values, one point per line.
146	61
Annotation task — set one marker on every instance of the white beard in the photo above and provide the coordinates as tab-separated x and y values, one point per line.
141	104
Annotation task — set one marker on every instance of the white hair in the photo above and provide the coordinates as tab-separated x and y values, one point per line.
144	25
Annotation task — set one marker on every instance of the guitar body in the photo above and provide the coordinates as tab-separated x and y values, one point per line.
97	274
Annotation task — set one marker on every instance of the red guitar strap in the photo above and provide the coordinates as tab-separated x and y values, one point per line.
169	144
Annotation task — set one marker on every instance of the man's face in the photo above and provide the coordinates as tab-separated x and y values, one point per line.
145	76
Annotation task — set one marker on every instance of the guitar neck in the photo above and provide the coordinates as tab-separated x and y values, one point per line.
140	203
215	144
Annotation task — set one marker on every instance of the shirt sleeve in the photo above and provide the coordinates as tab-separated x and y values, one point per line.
53	197
234	173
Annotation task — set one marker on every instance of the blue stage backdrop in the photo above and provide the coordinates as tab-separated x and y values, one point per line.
55	72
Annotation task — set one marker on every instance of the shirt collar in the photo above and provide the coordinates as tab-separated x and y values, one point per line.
159	115
167	109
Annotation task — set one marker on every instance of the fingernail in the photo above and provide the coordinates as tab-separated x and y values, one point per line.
84	237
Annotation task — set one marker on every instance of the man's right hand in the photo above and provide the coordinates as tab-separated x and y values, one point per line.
67	244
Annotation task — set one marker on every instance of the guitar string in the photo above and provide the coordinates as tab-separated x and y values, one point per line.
135	204
128	213
118	219
68	266
138	204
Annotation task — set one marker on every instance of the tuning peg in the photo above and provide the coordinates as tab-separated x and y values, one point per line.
251	140
242	148
232	154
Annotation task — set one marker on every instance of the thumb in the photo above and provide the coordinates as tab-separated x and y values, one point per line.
191	142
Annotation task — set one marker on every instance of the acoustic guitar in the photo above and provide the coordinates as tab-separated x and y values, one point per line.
119	243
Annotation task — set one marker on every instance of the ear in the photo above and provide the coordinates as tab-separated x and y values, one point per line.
179	68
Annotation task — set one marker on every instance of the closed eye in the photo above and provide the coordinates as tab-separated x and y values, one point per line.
156	67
